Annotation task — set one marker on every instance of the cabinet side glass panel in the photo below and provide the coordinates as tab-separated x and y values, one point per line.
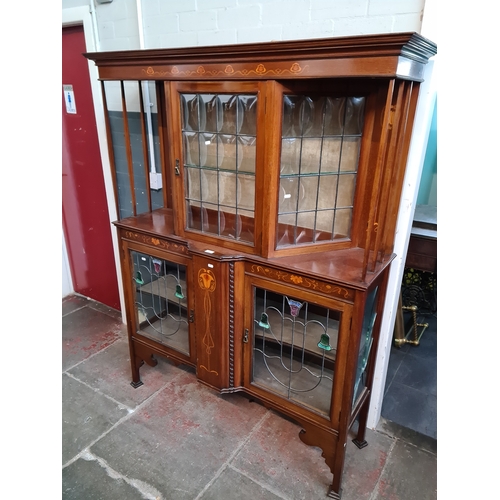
219	150
161	300
365	345
320	146
122	120
294	349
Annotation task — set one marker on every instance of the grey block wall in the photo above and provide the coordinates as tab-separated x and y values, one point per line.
122	173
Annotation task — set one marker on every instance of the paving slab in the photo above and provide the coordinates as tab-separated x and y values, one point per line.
233	484
86	332
412	408
110	372
89	479
105	309
363	468
180	438
419	373
410	474
277	458
72	303
419	440
86	416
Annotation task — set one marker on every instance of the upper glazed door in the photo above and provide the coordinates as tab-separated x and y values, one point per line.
216	152
320	146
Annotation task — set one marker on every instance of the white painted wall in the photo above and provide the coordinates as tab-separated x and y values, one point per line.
174	23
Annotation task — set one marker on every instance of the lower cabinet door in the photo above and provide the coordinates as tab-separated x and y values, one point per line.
162	308
294	344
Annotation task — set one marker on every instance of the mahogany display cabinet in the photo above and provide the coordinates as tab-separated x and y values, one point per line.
257	188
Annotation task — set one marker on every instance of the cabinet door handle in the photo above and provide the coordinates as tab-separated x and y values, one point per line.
245	336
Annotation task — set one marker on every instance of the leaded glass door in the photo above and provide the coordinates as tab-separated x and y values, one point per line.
219	159
320	147
293	346
161	302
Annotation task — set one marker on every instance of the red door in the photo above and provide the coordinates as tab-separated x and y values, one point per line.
85	214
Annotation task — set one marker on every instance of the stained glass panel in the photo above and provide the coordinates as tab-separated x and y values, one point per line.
290	355
160	301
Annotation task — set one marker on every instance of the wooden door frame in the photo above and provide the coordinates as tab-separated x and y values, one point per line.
81	16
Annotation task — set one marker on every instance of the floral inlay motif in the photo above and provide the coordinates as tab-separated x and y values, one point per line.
260	69
207	282
304	282
214	70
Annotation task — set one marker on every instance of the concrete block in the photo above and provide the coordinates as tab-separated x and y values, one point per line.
326	9
159	25
174	6
294	11
187	39
407	22
260	34
310	30
241	17
198	21
393	7
218	4
350	26
219	37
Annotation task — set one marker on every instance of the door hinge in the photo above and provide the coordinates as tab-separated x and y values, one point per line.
191	315
245	336
177	167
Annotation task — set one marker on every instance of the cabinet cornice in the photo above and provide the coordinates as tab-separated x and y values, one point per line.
360	56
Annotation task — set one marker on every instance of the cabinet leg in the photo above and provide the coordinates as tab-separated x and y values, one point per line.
138	356
360	440
136	378
333	494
